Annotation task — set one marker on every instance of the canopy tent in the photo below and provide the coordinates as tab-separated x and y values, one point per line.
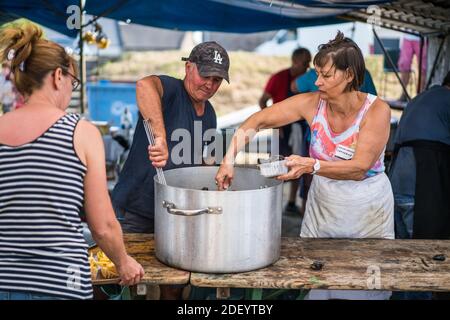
427	17
238	16
49	14
422	17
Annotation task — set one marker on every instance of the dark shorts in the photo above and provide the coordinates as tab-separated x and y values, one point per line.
134	223
285	148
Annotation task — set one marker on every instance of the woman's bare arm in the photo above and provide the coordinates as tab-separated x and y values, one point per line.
100	215
295	108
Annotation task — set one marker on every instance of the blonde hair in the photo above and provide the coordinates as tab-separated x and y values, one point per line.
34	56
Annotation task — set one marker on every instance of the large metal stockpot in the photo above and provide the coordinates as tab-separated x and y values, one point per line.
217	231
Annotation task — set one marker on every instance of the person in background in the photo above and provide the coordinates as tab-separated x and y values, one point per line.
51	163
350	195
277	89
126	123
410	48
20	100
7	94
420	172
306	83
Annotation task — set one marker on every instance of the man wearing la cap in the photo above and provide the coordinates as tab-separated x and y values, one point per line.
170	104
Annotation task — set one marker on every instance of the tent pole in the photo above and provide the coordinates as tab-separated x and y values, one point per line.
436	60
419	85
82	61
392	64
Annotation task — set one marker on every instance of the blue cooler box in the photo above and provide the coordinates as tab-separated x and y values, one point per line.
108	100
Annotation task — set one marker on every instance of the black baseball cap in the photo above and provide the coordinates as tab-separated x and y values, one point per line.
211	59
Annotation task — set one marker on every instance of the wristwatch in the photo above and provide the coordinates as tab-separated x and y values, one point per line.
316	166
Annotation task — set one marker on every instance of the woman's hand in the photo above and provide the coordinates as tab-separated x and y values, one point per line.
130	272
297	167
158	154
224	176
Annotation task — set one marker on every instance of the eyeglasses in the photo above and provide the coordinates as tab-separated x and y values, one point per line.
75	81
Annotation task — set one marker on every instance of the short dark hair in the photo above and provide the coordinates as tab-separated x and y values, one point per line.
301	52
446	81
345	55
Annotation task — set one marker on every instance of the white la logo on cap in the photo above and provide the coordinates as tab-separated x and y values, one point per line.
217	57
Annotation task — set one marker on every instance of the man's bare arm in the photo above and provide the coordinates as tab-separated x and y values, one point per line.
149	92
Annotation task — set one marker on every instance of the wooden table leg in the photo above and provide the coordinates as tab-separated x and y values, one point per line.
223	293
153	292
141	289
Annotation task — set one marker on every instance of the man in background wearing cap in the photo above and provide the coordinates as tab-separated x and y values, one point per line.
170	104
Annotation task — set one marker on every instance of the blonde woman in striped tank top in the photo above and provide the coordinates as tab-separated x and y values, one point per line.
350	196
51	164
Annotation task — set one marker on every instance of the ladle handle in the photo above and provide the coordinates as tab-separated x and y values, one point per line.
172	209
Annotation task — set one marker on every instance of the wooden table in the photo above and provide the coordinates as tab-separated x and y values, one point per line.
397	265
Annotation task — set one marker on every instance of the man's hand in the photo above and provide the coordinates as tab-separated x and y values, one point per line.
158	154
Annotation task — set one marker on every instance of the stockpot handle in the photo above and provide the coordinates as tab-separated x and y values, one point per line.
172	209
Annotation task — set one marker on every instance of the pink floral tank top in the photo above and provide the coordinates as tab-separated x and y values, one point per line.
329	146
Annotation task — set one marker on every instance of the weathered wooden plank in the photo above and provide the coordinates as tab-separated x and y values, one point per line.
142	248
398	265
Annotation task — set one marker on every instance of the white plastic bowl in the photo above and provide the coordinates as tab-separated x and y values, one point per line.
273	169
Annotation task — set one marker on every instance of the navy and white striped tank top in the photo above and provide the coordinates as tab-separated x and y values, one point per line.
42	249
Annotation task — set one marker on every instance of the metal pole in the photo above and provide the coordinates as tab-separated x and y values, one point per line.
419	86
436	60
82	62
392	64
353	30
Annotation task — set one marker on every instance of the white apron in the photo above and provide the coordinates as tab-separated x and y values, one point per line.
349	209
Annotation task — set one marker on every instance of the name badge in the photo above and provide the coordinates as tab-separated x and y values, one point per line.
343	152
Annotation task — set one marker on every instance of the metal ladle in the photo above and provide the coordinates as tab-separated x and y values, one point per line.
151	141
